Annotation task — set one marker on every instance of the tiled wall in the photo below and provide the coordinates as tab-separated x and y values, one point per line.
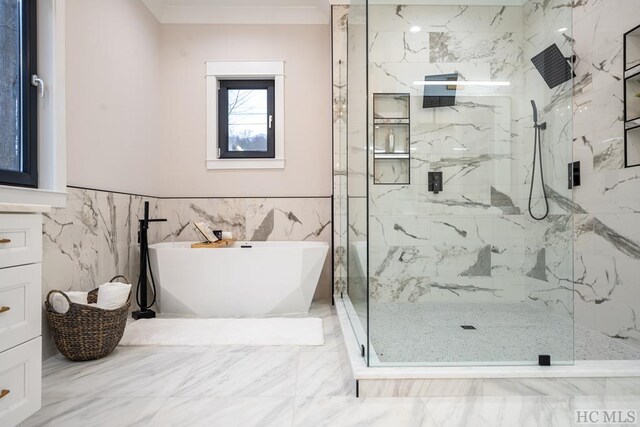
91	240
95	237
339	17
473	241
607	203
599	219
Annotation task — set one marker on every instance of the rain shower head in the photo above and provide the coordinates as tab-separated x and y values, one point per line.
553	66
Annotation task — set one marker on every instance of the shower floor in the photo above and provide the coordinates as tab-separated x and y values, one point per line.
415	333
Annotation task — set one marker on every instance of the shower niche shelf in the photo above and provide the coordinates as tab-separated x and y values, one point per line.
632	145
632	49
391	138
631	62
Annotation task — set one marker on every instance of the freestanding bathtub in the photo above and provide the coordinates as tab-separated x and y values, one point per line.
265	278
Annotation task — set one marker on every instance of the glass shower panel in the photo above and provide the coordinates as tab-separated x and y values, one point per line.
459	272
356	303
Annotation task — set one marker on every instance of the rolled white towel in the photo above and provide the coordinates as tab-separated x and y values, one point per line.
227	235
113	295
60	304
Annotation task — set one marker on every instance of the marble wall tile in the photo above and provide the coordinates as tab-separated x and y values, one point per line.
268	219
538	255
339	21
607	239
425	246
96	236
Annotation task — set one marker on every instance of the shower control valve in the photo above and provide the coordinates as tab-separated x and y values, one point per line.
434	182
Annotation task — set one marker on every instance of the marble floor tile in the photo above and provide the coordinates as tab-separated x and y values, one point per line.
290	385
230	411
220	373
131	372
324	374
623	387
484	411
350	411
81	412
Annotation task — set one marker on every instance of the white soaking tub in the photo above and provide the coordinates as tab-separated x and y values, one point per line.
267	278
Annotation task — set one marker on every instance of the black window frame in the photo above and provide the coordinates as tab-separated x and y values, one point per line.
223	118
28	177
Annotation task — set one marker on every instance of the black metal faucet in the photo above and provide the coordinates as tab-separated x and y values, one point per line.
141	291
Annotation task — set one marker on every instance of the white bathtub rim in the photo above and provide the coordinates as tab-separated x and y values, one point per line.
580	368
276	244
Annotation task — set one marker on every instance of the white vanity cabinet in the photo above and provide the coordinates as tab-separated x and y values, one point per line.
20	312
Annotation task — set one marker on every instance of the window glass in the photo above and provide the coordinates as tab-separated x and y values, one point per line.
248	120
18	97
10	87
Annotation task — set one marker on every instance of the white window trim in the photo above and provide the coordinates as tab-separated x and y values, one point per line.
52	128
216	71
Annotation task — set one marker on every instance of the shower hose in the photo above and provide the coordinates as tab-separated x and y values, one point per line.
537	151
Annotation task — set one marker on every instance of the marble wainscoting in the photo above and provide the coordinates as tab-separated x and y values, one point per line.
275	219
87	243
96	236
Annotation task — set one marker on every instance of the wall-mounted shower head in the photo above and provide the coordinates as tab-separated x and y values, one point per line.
553	66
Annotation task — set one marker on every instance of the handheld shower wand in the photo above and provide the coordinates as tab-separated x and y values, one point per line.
537	145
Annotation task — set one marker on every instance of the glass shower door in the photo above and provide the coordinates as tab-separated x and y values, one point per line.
459	271
357	221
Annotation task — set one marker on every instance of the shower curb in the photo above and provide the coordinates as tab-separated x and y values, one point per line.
593	377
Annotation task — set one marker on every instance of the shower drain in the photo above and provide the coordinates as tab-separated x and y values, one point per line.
468	327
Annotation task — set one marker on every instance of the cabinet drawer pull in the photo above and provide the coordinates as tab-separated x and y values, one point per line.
4	309
5	241
3	393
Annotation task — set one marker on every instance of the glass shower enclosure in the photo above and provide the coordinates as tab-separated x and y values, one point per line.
459	147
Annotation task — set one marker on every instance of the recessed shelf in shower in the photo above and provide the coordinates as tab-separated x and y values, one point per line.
632	97
391	138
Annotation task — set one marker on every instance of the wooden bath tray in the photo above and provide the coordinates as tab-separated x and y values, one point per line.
224	243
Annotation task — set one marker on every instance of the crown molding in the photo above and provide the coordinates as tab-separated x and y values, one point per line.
216	12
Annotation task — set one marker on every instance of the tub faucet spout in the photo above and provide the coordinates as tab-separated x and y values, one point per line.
141	291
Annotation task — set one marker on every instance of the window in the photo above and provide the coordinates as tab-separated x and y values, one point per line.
246	119
234	140
18	98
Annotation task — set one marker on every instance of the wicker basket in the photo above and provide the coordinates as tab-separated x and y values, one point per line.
86	332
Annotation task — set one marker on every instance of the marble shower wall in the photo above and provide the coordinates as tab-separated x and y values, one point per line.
601	216
339	19
607	203
472	242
